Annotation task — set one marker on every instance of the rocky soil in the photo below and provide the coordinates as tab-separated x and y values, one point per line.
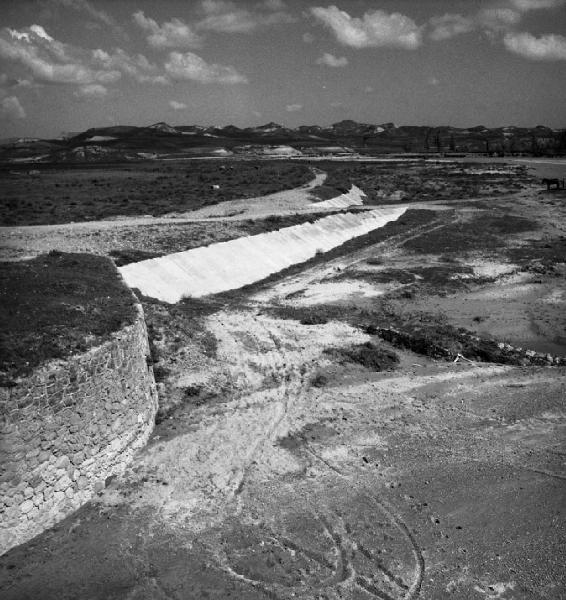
284	465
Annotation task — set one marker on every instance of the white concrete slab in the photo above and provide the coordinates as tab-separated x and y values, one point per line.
352	198
236	263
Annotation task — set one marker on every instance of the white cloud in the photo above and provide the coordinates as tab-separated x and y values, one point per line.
137	67
293	107
490	20
450	25
332	61
494	20
49	60
226	17
26	83
190	66
18	35
499	22
92	91
498	19
40	32
546	47
37	38
17	83
177	105
376	28
527	5
10	108
239	21
171	34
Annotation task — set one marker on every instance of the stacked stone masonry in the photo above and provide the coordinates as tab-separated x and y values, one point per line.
70	426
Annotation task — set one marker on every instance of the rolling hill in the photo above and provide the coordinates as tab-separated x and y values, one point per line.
163	140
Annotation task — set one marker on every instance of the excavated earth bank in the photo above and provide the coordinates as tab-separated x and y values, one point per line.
285	468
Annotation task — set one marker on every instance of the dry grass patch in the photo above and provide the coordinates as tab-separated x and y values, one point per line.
63	194
56	305
400	182
368	355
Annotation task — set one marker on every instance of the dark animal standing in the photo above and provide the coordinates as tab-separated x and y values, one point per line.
551	182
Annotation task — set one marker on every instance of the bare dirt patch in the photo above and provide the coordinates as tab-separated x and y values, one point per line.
529	316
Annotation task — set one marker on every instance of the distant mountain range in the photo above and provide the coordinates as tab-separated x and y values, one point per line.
345	137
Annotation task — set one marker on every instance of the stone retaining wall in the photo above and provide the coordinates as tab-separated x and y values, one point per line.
70	426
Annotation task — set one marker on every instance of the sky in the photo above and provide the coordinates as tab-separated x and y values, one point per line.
67	65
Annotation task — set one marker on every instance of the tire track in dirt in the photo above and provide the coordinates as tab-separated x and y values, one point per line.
207	468
344	571
412	591
279	366
291	391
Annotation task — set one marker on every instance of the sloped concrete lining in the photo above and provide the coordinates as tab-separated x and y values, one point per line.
233	264
352	198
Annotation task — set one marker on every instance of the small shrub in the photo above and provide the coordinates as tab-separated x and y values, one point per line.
160	373
368	355
319	380
314	319
192	391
